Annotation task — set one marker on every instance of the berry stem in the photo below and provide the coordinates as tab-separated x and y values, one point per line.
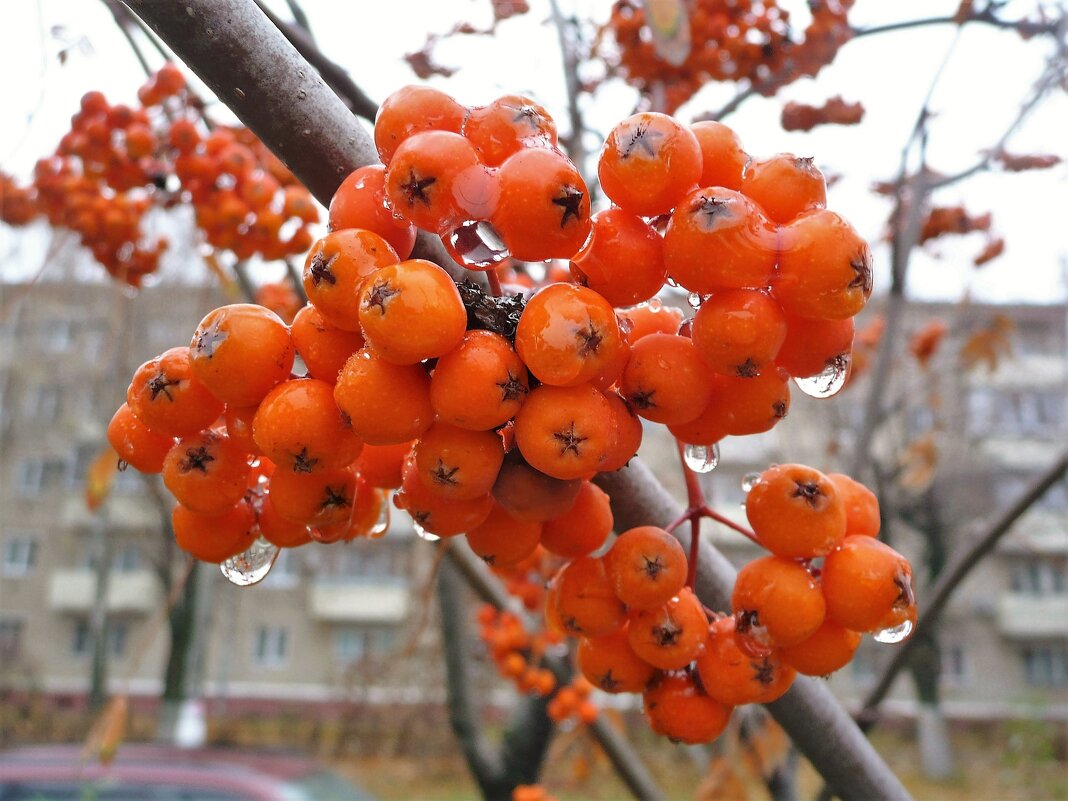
494	282
695	509
726	521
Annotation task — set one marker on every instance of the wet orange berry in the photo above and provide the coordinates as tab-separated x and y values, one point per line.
321	498
457	463
567	335
777	601
322	347
213	538
812	346
206	472
360	202
335	269
735	677
386	403
665	379
622	260
437	515
676	707
671	635
381	465
565	432
238	421
279	531
648	164
739	331
647	567
410	110
507	125
722	156
583	528
651	317
861	506
785	186
239	352
825	268
831	647
529	494
503	540
300	429
868	585
167	397
628	433
543	210
611	665
795	512
480	384
411	311
585	602
135	443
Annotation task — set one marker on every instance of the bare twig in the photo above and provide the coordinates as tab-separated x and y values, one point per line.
569	53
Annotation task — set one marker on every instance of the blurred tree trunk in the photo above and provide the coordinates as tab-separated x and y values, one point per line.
98	615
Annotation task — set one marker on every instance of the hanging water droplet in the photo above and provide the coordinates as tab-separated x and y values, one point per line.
476	245
750	480
828	381
895	633
671	281
423	534
701	458
381	525
694	299
251	565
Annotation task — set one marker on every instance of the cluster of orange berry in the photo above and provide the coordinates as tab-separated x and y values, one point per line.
117	163
735	41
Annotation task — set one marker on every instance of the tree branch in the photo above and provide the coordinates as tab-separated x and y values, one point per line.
574	145
958	568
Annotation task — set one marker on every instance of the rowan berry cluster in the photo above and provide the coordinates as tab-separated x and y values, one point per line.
118	163
737	41
492	413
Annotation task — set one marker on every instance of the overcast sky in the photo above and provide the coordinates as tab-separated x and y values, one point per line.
990	72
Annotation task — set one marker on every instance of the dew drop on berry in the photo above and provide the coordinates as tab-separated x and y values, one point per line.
894	634
423	534
750	480
381	525
252	565
827	382
476	245
701	458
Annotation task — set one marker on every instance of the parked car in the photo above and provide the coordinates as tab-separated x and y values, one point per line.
165	773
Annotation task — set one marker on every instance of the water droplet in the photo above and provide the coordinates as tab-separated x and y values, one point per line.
701	458
895	633
750	480
829	381
381	525
671	281
476	245
694	299
250	566
423	534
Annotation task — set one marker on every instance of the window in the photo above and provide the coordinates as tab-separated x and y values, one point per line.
10	638
1039	577
43	403
1046	665
39	474
20	555
127	558
58	336
286	571
954	664
355	643
271	646
82	638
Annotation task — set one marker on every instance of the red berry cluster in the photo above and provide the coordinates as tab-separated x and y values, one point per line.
118	163
736	41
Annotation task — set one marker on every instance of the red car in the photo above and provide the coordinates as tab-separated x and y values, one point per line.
164	773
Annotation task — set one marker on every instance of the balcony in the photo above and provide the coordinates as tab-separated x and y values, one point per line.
73	590
349	601
1033	616
125	512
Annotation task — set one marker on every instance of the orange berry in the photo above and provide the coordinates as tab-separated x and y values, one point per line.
824	267
628	433
735	677
785	186
324	348
457	463
649	162
206	472
168	399
679	709
382	465
321	498
410	110
444	517
812	346
739	331
719	239
670	636
722	157
543	209
565	432
411	311
868	585
584	600
651	317
480	384
279	531
622	259
611	664
506	126
861	506
665	379
135	443
240	352
528	494
567	335
299	428
795	512
647	567
386	403
336	268
503	540
831	647
583	528
360	202
214	538
778	601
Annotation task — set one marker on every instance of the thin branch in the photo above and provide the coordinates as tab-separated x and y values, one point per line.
986	16
569	53
300	18
124	19
955	572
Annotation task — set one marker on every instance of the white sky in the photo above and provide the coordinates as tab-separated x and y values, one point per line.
989	74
